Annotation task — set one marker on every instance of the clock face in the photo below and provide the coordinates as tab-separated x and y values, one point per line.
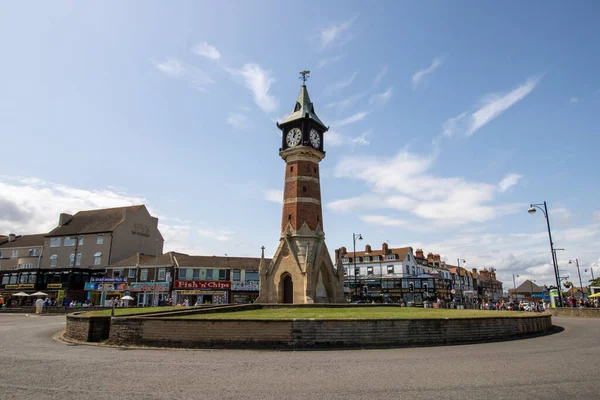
315	139
293	137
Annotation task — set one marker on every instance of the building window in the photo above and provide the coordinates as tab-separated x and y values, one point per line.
390	269
162	274
55	242
71	260
100	238
144	274
292	168
117	273
78	259
209	274
236	275
345	260
419	270
408	257
0	254
53	260
97	258
196	274
15	253
356	271
252	275
33	252
69	241
413	270
369	270
80	238
303	189
222	274
367	259
390	257
131	273
5	279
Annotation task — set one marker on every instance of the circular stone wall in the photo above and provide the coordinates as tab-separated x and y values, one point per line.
164	331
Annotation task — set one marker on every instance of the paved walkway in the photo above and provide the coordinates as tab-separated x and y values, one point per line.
33	366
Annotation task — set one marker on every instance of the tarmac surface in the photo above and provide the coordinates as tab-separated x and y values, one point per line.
33	365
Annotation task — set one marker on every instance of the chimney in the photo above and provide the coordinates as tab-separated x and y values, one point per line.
436	258
11	237
430	257
474	270
419	253
368	248
337	254
64	219
344	251
384	248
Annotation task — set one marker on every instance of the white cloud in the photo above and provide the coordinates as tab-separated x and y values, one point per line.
420	75
238	120
509	181
340	85
404	183
171	67
336	139
330	60
216	234
359	116
206	50
382	98
274	195
492	106
562	214
345	103
174	68
573	100
337	34
380	75
383	220
259	81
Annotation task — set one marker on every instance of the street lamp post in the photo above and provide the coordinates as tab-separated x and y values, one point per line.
155	275
458	261
354	237
544	210
578	273
515	295
592	270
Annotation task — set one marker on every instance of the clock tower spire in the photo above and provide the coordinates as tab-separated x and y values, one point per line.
302	270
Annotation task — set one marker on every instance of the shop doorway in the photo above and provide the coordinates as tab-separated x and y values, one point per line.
288	289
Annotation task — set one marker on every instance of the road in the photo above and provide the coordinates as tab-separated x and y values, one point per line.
34	366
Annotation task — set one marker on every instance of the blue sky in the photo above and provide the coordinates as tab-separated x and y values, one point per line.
447	119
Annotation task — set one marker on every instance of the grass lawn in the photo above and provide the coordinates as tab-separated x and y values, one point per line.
131	311
355	312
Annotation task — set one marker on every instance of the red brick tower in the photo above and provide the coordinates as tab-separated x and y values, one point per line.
302	270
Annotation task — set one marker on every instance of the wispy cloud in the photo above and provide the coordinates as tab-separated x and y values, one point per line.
382	98
237	120
509	181
574	100
259	81
380	75
273	195
493	105
596	216
174	68
345	103
336	139
330	60
206	50
420	75
359	116
340	85
337	33
216	234
381	220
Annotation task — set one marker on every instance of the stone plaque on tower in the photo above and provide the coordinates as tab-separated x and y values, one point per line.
301	271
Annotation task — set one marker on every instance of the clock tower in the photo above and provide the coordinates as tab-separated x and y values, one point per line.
302	271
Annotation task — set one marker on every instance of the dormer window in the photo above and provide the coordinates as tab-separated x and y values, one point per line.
390	257
345	260
367	259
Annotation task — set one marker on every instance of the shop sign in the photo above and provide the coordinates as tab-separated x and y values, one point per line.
60	296
54	286
249	285
203	292
106	286
202	285
20	286
112	280
149	286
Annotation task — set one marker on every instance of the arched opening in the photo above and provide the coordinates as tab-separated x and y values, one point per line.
287	286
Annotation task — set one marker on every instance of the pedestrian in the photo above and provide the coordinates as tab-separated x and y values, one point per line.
186	303
39	305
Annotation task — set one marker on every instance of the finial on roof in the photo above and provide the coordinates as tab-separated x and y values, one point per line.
304	76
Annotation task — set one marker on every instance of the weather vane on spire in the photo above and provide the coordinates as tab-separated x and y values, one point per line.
305	75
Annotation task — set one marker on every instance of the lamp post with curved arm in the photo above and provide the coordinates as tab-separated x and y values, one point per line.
544	210
578	273
354	237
